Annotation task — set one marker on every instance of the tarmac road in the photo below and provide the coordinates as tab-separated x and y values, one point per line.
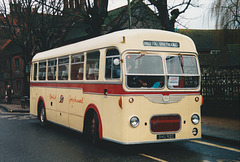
23	139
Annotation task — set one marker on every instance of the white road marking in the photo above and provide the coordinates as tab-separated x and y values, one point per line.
154	158
215	145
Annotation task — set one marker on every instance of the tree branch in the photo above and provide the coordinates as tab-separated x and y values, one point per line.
188	3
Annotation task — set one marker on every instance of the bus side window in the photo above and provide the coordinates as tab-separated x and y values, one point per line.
31	72
35	72
52	69
77	62
63	68
112	67
92	68
42	71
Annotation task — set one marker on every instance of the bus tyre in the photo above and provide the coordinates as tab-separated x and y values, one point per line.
91	131
42	115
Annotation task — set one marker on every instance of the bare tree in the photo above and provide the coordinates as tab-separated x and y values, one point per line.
162	12
227	13
35	26
165	13
141	17
38	25
94	13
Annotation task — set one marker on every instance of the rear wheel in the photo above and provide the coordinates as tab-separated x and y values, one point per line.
42	115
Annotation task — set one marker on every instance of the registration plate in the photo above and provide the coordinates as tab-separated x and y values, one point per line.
166	136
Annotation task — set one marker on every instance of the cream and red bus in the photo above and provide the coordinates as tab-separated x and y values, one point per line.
130	87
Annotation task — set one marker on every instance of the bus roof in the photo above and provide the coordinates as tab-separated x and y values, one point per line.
134	39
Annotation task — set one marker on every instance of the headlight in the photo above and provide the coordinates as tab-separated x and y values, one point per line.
195	119
134	121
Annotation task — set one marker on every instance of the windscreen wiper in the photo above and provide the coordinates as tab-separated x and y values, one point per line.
139	57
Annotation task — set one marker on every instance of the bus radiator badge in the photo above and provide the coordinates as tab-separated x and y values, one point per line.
166	98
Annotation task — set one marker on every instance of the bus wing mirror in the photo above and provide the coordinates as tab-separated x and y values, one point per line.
116	62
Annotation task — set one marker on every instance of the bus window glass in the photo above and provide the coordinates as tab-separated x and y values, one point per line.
77	62
182	72
35	72
112	70
52	69
42	71
63	68
144	71
92	68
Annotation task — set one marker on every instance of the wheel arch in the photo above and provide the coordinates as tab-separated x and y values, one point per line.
41	101
90	109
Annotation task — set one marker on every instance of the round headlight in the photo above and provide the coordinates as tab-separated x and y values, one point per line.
134	121
195	119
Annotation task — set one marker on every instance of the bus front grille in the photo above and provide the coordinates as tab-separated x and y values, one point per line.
169	123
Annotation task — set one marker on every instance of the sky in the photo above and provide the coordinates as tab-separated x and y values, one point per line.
193	18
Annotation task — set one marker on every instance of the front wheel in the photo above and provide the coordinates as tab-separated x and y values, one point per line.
91	128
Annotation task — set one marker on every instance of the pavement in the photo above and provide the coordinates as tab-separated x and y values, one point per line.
215	128
14	108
